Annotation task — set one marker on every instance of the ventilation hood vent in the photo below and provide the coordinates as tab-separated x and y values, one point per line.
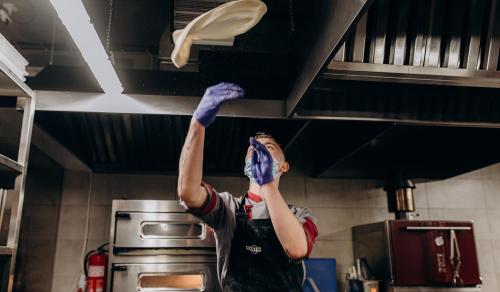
187	10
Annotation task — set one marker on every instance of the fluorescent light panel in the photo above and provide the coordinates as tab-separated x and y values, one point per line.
74	16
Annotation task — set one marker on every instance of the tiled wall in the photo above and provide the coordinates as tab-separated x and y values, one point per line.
338	205
38	237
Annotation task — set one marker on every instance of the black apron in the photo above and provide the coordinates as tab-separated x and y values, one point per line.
257	261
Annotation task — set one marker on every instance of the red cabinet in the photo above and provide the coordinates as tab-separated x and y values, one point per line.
419	253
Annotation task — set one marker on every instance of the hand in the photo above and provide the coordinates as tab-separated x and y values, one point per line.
213	98
262	163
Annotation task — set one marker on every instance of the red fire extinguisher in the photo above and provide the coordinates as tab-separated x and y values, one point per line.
96	263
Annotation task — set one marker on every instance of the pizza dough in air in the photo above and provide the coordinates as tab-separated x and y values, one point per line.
224	22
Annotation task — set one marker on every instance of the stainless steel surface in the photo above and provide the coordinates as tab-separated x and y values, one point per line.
3	209
372	243
377	50
493	38
437	228
7	164
340	55
358	52
340	17
452	46
404	202
426	34
417	49
433	43
127	277
321	116
434	289
473	41
55	150
152	104
11	85
400	196
156	243
411	74
11	201
398	49
6	250
15	197
184	230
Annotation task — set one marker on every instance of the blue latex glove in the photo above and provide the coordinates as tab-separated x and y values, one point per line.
213	98
262	163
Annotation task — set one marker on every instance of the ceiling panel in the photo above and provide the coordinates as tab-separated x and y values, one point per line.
152	143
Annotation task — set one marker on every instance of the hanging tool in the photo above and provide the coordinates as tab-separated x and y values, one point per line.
455	259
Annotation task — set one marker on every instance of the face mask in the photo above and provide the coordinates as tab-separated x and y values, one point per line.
248	169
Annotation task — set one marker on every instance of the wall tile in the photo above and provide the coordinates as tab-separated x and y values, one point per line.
496	253
41	221
491	172
100	217
494	222
292	188
35	263
75	188
489	282
43	188
479	216
453	194
336	224
423	214
232	185
141	187
498	279
341	193
485	256
72	222
420	196
492	193
341	250
68	256
100	190
63	284
93	244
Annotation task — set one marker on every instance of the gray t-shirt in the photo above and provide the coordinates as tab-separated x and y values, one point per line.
218	212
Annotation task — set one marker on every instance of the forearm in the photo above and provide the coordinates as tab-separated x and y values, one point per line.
288	229
191	167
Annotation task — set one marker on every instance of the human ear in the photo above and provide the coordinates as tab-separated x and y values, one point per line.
285	167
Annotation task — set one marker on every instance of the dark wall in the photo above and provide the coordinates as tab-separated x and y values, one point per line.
38	237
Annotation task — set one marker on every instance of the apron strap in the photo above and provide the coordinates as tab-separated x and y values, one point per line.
240	210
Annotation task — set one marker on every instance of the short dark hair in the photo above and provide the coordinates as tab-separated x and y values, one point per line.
260	135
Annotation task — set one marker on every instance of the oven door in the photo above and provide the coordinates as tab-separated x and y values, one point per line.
165	277
143	230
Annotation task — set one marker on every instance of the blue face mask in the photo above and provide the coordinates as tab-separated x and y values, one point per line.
248	169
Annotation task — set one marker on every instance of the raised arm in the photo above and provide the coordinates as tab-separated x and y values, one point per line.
288	229
191	167
189	186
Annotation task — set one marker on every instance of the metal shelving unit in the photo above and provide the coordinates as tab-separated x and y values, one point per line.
11	198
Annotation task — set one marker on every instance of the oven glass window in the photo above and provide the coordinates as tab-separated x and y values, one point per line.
184	282
172	230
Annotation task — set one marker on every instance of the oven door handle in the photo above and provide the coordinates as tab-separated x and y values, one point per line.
426	228
119	268
122	215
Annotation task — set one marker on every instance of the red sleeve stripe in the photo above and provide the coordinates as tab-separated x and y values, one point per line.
212	199
311	233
